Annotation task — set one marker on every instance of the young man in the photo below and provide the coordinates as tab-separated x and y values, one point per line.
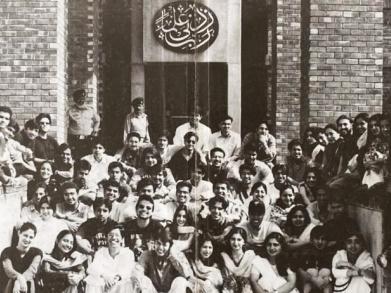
45	146
226	139
71	210
87	190
347	144
91	235
137	121
139	232
216	168
296	163
28	135
116	173
130	155
281	179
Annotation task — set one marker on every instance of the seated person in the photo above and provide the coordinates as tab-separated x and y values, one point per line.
279	211
280	176
19	264
247	174
64	268
202	190
296	162
63	164
182	198
71	210
312	179
91	235
87	189
164	261
319	209
259	193
43	176
182	228
117	173
28	135
30	210
217	166
166	150
314	263
130	154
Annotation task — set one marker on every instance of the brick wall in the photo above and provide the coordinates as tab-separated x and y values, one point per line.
288	72
346	58
387	58
32	57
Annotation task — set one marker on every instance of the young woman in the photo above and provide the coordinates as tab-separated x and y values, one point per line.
43	176
237	263
298	227
284	204
272	273
353	267
312	178
19	264
206	272
63	269
111	270
182	229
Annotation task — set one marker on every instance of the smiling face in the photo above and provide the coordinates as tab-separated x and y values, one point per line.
311	179
236	242
66	155
181	218
102	213
71	196
260	194
319	242
298	219
385	128
98	151
150	160
46	171
144	210
273	247
216	211
182	195
217	159
190	143
111	193
206	250
133	143
262	129
25	239
162	142
65	244
31	133
114	238
332	135
256	221
5	119
225	126
322	138
280	177
287	197
162	248
38	194
220	189
361	125
344	127
296	152
45	211
354	246
44	125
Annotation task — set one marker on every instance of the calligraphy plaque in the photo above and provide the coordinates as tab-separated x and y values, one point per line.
185	27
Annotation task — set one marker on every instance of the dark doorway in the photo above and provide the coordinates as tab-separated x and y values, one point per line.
254	70
171	88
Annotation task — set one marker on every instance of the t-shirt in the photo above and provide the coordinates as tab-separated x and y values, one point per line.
95	232
19	263
45	148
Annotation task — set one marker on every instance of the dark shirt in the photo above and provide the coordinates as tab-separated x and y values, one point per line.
337	229
311	257
23	139
95	232
45	148
216	174
296	168
180	167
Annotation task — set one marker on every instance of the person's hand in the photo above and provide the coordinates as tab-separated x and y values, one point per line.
263	139
382	260
110	282
73	279
22	283
73	226
344	265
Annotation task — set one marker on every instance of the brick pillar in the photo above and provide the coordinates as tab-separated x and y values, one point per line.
288	74
346	58
33	51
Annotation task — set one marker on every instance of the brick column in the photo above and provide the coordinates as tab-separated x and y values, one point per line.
33	59
288	36
346	58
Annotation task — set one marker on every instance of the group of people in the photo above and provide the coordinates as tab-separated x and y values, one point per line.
210	212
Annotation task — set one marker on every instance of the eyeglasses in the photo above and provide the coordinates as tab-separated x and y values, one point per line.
44	123
145	207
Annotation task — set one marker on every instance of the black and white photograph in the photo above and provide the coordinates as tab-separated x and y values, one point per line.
195	146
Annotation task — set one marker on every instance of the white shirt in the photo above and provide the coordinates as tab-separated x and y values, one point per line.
230	144
98	169
202	131
260	167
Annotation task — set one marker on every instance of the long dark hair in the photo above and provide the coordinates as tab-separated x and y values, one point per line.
235	230
282	260
56	253
196	248
290	228
174	225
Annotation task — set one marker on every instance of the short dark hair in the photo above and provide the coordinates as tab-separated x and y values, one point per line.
293	143
344	117
43	115
257	185
244	167
363	116
181	184
83	165
102	202
256	207
145	182
279	167
79	93
111	183
69	185
146	198
317	232
217	199
133	134
215	150
331	126
116	226
114	165
190	134
31	124
6	109
28	226
225	117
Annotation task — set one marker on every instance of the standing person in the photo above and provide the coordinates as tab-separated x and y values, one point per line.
19	264
353	267
64	268
45	146
226	139
137	121
83	124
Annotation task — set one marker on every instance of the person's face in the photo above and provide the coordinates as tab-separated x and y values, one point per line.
111	193
236	242
144	209
114	238
196	175
332	135
158	178
162	142
146	190
374	127
80	100
260	194
65	244
361	125
46	171
225	126
280	177
102	213
385	127
162	248
66	156
150	160
70	196
256	221
287	197
320	242
321	196
25	238
38	194
5	119
297	152
181	218
216	211
206	250
182	195
44	125
337	209
262	129
139	108
220	189
250	157
273	247
133	143
190	143
195	119
309	137
344	127
298	219
45	211
82	174
246	176
322	138
311	179
31	133
115	174
217	159
353	245
98	150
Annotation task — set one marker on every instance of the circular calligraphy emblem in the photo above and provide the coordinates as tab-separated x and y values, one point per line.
185	27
